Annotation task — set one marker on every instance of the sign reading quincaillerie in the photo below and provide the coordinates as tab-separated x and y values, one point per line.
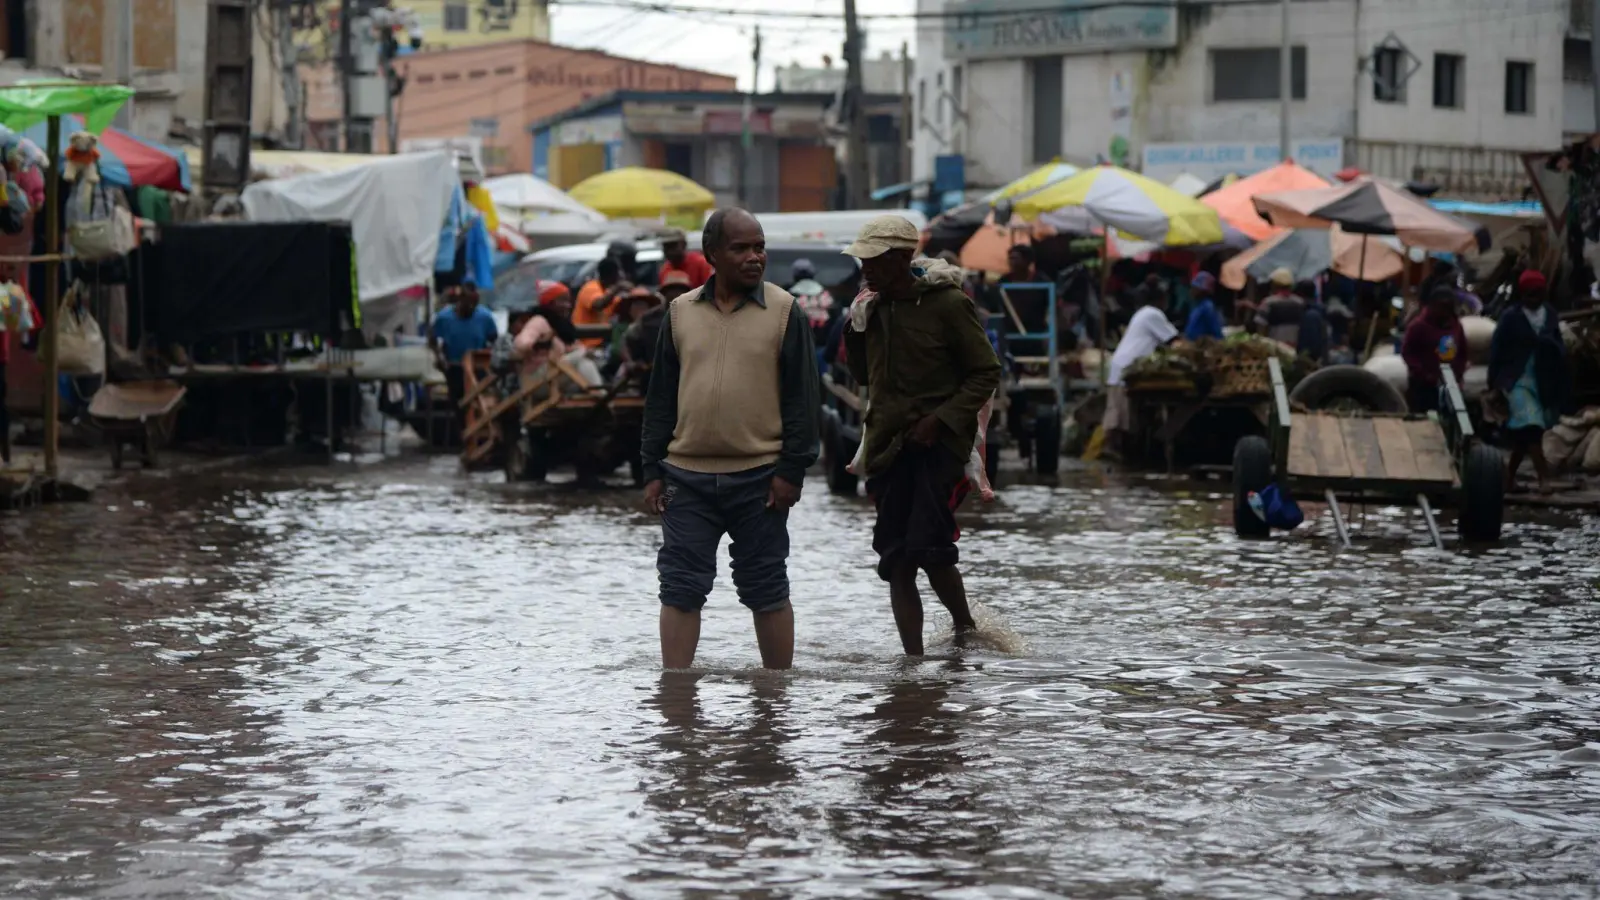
979	29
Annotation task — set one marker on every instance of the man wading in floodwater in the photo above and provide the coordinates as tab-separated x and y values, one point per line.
730	427
928	367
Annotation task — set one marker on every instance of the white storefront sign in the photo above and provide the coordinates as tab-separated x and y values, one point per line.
1210	161
995	29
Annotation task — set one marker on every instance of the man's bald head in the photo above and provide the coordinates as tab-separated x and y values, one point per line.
736	246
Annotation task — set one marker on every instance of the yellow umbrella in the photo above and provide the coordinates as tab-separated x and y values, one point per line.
638	193
1130	203
1045	175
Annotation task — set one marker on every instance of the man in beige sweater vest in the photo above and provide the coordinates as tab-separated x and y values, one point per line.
730	427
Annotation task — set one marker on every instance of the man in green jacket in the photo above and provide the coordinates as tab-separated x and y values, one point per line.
928	367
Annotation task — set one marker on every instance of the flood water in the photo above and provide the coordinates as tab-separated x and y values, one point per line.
393	681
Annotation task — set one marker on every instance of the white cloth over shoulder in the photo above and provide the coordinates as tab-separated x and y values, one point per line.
1148	331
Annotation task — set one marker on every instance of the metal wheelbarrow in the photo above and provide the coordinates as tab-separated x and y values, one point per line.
137	414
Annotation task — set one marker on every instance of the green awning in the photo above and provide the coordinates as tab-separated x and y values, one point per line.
26	104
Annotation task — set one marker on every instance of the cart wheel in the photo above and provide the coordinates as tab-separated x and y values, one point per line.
1047	440
1252	471
1483	495
116	453
840	479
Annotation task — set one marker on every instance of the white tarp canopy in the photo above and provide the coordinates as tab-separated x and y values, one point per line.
396	207
523	193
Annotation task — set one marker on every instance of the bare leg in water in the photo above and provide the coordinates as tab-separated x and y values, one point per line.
1532	449
907	604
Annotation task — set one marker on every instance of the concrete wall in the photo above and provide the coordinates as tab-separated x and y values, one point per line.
939	128
1178	105
998	122
1488	34
1173	99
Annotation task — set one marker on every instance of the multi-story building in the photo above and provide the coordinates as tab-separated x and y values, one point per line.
452	24
1448	91
493	92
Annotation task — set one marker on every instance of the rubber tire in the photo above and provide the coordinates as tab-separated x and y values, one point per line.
1252	471
1047	440
840	480
991	456
1319	389
1483	495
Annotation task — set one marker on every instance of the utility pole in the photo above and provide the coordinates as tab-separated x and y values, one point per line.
1594	57
1286	88
347	65
908	129
288	70
746	111
116	54
857	183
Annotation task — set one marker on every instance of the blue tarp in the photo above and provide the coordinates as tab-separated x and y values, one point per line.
1529	210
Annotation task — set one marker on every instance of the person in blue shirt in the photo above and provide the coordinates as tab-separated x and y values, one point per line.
1203	318
458	329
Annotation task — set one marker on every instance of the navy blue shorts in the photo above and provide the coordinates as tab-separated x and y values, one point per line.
917	498
702	508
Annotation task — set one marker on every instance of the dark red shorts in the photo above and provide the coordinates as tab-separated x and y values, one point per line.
917	498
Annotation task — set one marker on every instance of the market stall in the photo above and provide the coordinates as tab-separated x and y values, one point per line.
23	106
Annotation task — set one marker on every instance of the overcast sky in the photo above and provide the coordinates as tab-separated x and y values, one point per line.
723	43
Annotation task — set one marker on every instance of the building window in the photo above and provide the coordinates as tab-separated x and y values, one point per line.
938	108
1519	88
922	100
1449	81
1254	74
456	17
1389	75
1048	96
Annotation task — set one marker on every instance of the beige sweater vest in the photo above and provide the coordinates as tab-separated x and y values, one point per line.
729	416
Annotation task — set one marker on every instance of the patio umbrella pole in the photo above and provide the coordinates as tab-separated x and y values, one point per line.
1100	308
52	301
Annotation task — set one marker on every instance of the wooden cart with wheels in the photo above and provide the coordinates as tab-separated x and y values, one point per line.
1322	455
137	414
555	418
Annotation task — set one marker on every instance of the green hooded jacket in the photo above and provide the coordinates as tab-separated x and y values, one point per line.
923	354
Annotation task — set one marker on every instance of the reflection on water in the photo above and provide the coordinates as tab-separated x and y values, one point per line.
397	682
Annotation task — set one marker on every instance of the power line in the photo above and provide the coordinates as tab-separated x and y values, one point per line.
662	6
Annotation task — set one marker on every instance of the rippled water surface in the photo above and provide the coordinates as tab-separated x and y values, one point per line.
396	682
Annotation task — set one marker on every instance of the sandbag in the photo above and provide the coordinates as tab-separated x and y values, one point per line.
1591	454
1480	334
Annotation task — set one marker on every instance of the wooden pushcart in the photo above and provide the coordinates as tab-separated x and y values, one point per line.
552	418
137	414
1323	455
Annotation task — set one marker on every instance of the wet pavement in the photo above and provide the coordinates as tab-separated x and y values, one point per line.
395	682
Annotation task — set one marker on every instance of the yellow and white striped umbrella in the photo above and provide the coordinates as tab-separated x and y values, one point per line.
1042	177
1130	203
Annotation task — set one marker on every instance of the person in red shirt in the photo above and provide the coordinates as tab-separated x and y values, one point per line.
1433	339
679	258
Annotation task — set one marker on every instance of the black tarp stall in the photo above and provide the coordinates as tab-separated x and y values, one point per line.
216	280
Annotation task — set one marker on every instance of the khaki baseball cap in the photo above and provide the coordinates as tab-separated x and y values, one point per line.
883	234
1282	277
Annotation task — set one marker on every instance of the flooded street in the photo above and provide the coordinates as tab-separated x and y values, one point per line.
396	682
